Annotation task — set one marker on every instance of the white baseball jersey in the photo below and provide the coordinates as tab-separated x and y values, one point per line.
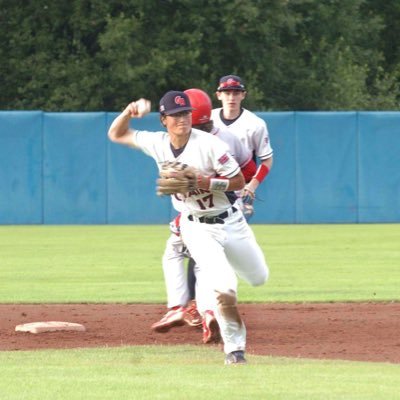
238	151
250	129
203	151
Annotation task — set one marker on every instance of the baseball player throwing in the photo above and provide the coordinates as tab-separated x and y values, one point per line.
178	290
214	230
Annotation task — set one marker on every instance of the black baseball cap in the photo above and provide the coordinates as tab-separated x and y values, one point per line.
231	82
174	102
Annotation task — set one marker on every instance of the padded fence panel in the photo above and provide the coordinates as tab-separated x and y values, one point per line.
379	167
326	159
20	167
74	168
60	168
132	178
276	202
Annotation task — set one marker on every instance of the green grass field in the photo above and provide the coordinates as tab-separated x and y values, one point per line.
187	373
123	263
316	263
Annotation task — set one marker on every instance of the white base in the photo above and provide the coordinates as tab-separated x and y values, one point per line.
49	326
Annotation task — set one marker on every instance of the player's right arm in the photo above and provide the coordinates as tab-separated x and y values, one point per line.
119	131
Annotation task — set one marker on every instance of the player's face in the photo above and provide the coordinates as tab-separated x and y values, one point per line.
179	124
231	99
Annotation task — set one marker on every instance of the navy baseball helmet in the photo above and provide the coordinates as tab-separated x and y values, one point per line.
174	102
231	82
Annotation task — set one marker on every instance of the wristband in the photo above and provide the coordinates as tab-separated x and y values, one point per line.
262	172
219	184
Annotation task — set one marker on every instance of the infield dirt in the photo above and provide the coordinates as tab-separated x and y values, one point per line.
347	331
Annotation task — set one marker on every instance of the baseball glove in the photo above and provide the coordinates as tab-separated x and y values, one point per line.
176	177
248	209
247	202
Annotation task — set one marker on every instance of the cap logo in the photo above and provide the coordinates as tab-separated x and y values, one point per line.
180	101
231	82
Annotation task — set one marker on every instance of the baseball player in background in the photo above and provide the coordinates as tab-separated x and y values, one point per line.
181	303
213	229
248	127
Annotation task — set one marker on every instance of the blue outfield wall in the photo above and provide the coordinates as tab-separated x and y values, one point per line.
21	161
329	167
74	168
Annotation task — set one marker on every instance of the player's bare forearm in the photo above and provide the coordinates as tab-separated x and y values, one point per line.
120	126
268	163
237	182
225	184
260	175
119	131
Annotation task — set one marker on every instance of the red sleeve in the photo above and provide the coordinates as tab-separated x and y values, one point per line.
249	170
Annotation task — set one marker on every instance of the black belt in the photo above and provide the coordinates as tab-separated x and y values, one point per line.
216	219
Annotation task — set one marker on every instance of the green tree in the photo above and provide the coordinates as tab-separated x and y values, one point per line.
294	55
335	58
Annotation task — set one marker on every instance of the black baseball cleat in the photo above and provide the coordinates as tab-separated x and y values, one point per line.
236	357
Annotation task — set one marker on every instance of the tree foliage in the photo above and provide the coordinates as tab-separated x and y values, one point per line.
85	55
